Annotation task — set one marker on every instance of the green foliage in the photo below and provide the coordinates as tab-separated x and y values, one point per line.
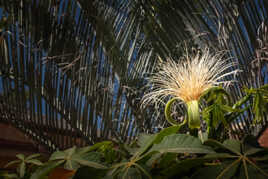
23	161
236	160
260	102
73	158
219	112
163	155
167	154
181	143
42	172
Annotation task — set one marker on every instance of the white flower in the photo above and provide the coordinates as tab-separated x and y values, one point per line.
189	78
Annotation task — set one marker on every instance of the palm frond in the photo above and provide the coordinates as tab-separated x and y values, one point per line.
68	69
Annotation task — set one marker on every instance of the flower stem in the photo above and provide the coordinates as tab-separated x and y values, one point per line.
193	114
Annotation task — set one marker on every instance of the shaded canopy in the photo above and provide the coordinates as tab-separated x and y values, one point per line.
72	72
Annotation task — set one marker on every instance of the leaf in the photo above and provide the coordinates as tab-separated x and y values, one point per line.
218	116
261	158
241	101
165	132
232	116
35	161
8	176
71	164
61	173
70	152
153	159
229	169
22	168
92	156
167	159
32	156
230	146
215	91
219	156
67	157
89	163
83	150
181	143
20	156
253	173
11	163
57	155
100	144
132	173
213	172
233	145
206	113
43	171
73	157
182	167
253	150
86	173
146	141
